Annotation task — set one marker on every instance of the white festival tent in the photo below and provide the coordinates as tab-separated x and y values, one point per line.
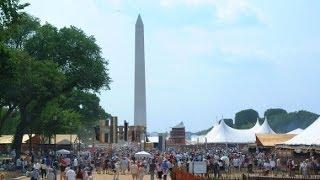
265	128
310	136
296	131
256	127
222	133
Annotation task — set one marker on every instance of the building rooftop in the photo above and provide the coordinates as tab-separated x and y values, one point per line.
180	125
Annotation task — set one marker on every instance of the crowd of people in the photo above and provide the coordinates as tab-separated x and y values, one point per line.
117	160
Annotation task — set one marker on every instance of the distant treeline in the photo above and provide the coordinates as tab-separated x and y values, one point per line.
279	119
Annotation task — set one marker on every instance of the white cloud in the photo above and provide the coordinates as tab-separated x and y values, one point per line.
115	3
225	10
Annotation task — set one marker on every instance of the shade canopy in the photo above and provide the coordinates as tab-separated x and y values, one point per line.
270	140
63	151
310	136
142	154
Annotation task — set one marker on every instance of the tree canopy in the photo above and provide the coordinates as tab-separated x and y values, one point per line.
275	111
246	118
49	77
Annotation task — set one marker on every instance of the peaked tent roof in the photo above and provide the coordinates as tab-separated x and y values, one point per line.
265	128
222	133
256	127
296	131
310	136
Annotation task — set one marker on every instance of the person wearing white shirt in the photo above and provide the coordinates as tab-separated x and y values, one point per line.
71	174
272	164
37	166
75	163
51	175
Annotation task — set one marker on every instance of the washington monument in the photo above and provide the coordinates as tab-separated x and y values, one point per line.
140	118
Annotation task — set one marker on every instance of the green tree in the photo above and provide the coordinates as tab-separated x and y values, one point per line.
10	125
270	112
78	60
283	123
32	80
9	15
42	64
246	118
229	122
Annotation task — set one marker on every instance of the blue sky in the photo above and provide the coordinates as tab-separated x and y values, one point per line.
204	58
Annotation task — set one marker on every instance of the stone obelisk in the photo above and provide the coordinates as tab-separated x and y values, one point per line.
140	114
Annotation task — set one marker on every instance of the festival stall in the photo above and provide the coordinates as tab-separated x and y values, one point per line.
269	141
309	137
307	142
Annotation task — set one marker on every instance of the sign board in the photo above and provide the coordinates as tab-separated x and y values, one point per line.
198	167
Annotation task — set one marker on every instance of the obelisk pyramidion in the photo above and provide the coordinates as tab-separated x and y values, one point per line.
139	77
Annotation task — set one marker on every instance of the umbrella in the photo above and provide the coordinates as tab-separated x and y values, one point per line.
224	158
142	154
63	151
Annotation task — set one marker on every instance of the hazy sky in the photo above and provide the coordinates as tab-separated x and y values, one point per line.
204	58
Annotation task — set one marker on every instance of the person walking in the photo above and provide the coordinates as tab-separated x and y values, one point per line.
124	166
159	170
165	169
152	169
134	170
141	171
35	175
51	175
43	169
117	170
75	163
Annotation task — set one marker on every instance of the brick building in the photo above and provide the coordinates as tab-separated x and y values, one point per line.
178	135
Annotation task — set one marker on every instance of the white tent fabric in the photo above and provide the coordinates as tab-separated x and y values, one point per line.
142	154
265	128
310	136
296	131
222	133
256	127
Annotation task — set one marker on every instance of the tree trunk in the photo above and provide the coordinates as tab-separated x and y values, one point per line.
17	141
30	142
5	117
